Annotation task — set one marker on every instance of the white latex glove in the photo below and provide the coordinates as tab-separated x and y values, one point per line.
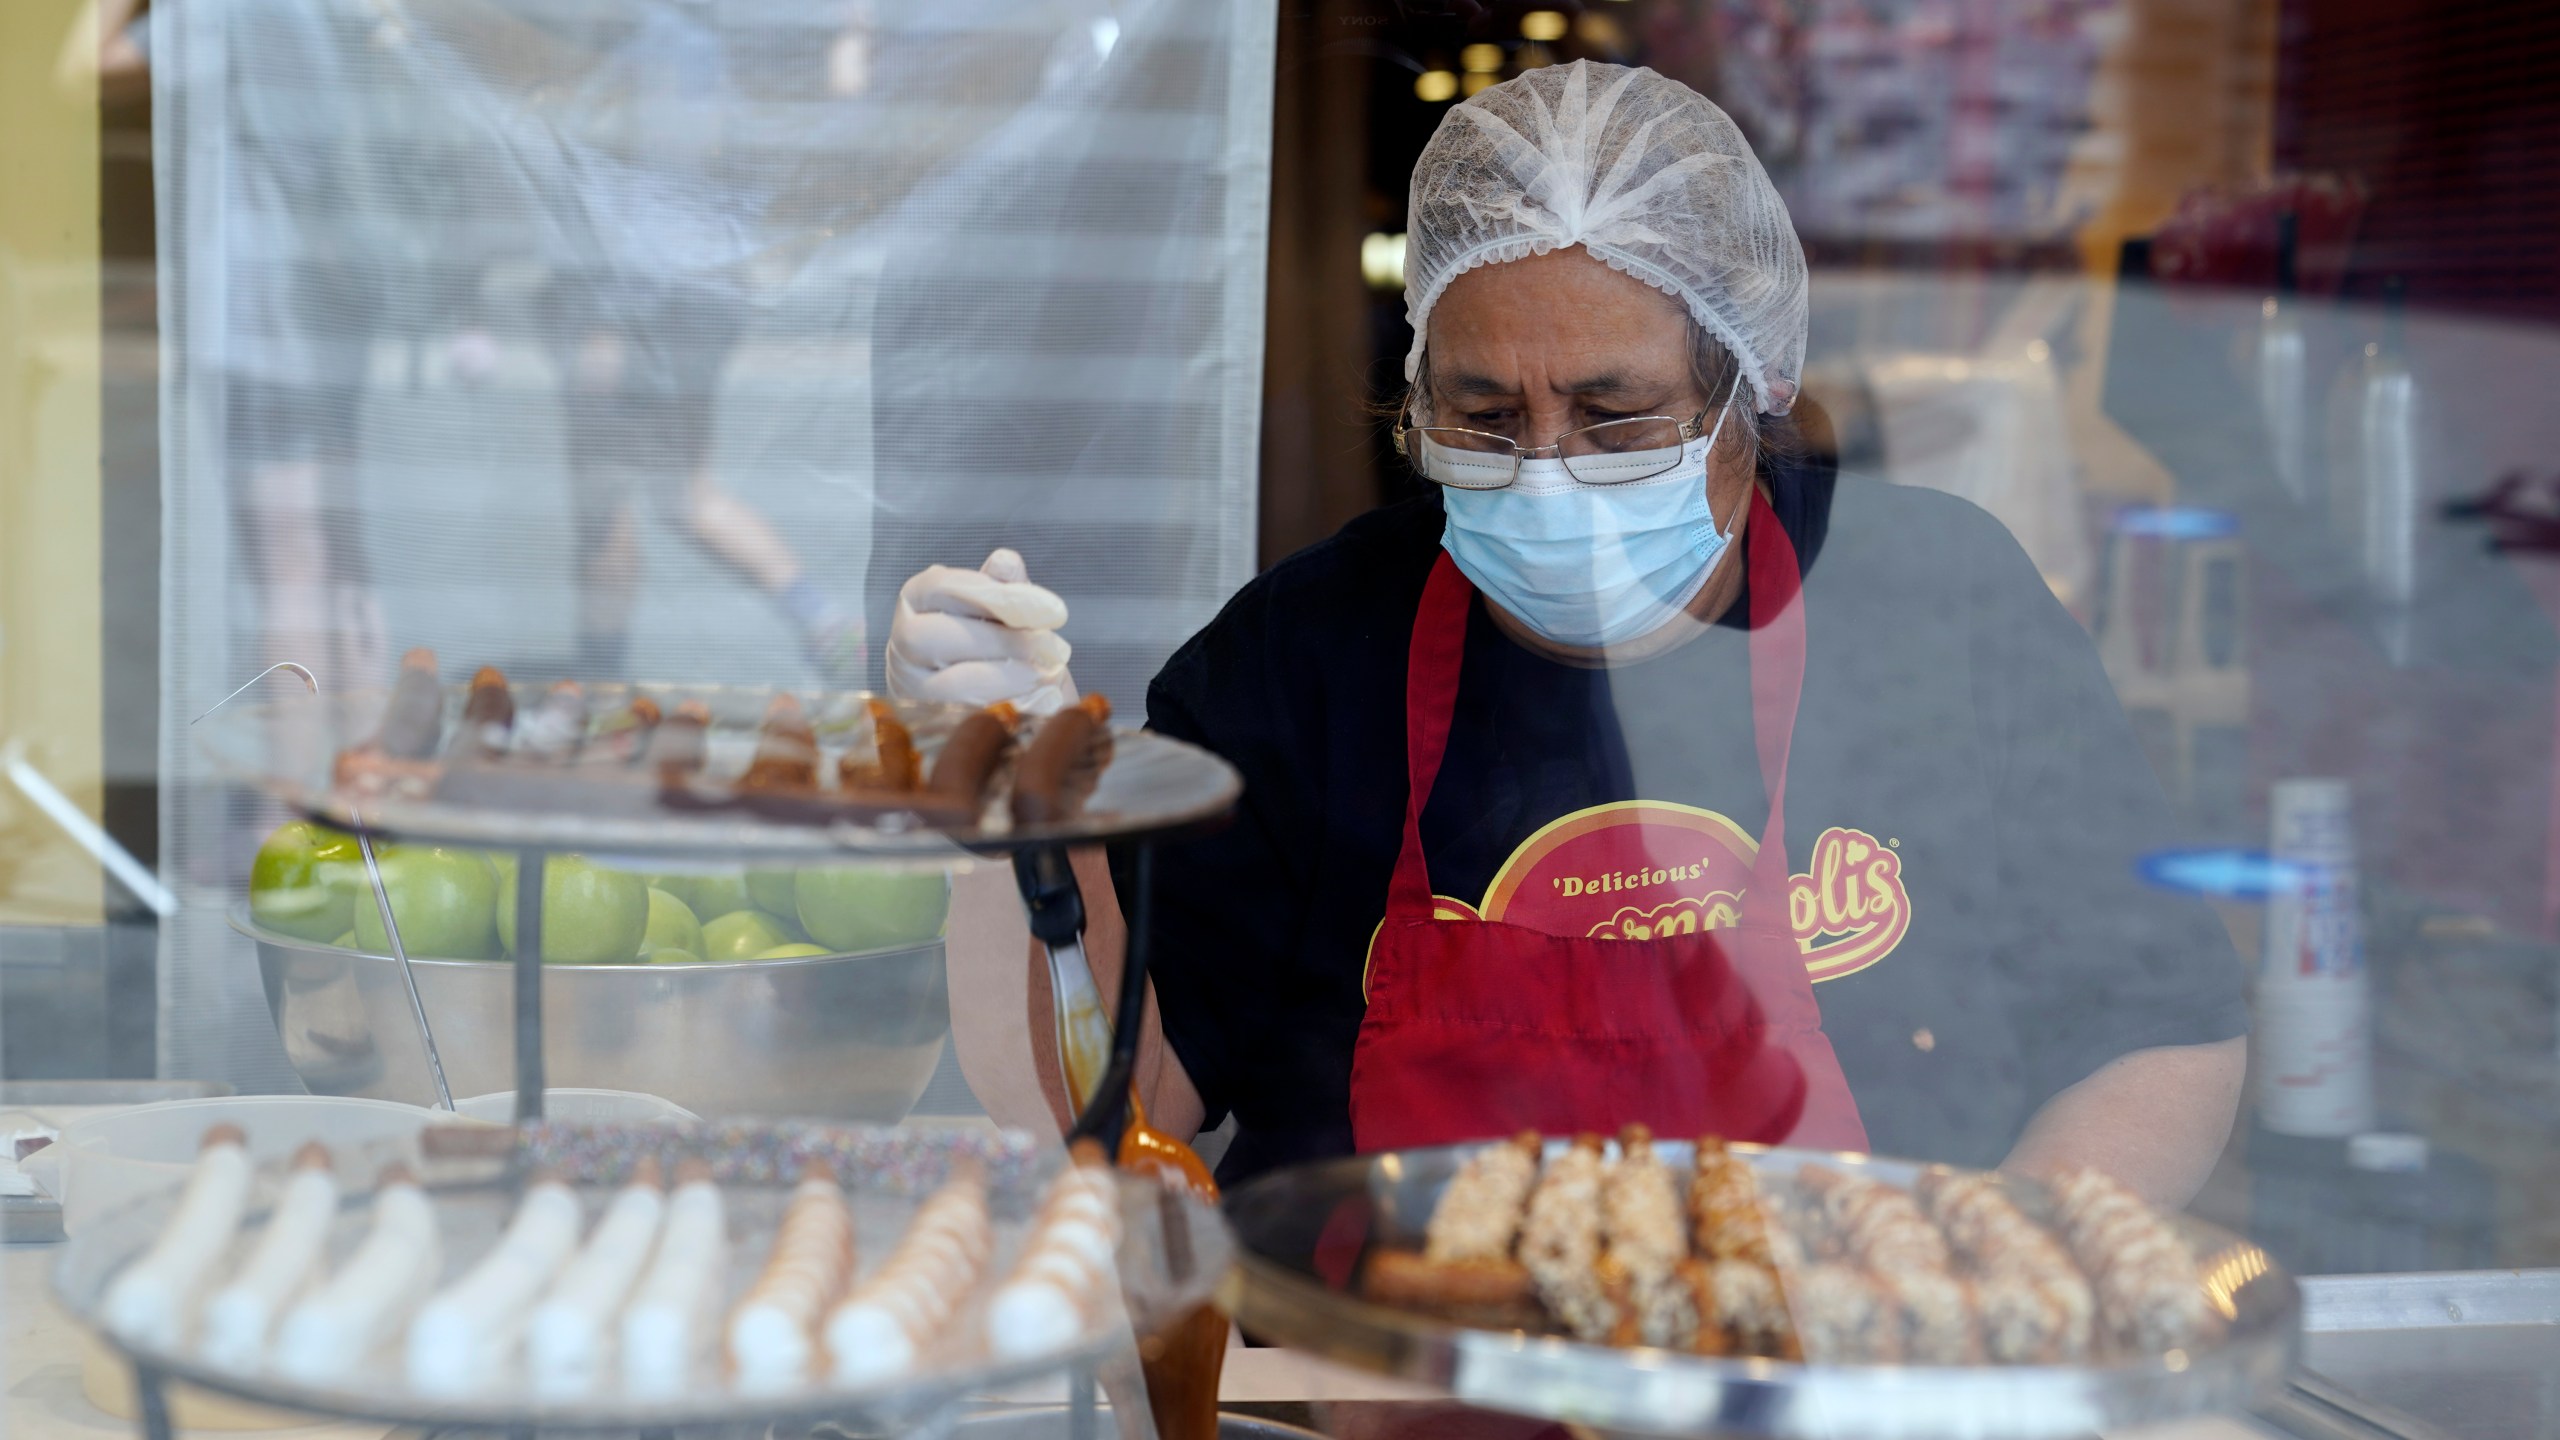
980	636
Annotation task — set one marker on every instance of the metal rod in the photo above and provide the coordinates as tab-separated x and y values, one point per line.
57	807
307	678
1103	1118
151	1397
400	952
381	895
1080	1406
528	959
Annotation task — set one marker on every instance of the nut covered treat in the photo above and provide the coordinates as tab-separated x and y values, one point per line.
1830	1264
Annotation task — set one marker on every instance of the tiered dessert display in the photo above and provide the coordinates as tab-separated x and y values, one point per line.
587	1276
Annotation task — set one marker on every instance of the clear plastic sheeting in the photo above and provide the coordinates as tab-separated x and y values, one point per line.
661	339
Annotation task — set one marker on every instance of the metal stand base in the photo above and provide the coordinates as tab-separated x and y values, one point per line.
151	1395
528	961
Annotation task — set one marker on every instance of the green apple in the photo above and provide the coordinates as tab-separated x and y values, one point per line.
590	915
853	907
794	952
444	899
303	882
743	935
344	942
671	926
505	865
772	889
669	957
712	896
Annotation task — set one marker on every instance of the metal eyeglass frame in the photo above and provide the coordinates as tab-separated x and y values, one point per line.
1690	429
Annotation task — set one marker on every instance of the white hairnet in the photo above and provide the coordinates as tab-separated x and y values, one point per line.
1641	171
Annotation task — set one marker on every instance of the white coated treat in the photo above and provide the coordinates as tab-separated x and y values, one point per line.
151	1302
565	1340
870	1341
334	1328
1058	1281
242	1314
1479	1214
464	1336
1560	1240
676	1308
1031	1318
773	1337
884	1327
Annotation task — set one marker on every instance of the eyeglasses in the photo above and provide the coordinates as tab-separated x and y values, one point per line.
1613	452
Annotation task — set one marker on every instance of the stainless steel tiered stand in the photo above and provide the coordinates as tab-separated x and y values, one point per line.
1301	1234
1152	788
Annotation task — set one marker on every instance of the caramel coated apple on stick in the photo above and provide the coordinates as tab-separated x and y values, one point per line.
1062	752
676	749
786	758
773	1333
892	781
557	729
415	716
400	759
1068	1263
624	735
895	766
151	1302
488	717
888	1324
969	758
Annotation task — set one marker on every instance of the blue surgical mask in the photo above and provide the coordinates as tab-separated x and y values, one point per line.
1590	565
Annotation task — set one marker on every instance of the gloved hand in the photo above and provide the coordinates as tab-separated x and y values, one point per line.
980	636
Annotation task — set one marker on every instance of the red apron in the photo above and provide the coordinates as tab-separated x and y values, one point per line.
1479	1028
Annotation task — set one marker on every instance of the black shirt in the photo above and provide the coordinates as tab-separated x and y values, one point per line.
1966	803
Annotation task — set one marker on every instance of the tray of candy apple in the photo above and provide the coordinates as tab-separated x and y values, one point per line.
726	770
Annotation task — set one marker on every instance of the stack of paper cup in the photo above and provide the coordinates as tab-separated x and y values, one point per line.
2314	1045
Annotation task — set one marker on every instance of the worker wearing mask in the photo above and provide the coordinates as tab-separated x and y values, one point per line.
1640	768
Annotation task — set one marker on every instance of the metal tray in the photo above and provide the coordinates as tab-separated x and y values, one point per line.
1152	786
1159	1282
1301	1230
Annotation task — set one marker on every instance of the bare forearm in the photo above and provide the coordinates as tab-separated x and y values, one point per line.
1002	1015
2154	1119
989	994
